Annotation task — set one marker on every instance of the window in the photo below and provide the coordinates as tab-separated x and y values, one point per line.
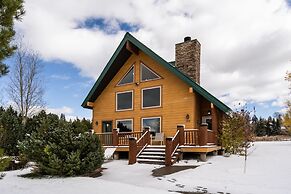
147	74
128	77
151	97
124	100
124	125
153	122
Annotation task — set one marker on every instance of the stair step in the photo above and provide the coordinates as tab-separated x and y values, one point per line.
153	153
151	157
153	150
156	146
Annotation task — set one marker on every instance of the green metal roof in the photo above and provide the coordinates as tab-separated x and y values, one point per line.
121	55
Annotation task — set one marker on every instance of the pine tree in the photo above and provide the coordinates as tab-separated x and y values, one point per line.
9	10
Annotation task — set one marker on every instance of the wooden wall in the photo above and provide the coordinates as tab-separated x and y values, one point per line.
177	101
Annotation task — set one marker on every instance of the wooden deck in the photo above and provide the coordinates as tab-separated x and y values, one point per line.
184	148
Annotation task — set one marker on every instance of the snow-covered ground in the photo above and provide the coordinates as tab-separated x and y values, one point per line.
268	171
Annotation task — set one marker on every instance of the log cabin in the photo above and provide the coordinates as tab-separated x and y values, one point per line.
140	98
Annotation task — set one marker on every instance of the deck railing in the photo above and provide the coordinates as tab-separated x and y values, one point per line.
191	137
173	143
123	137
115	138
136	146
105	138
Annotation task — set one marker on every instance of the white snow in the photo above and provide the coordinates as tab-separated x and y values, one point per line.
268	172
108	153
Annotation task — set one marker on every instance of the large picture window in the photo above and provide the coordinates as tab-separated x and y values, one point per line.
153	122
151	97
125	125
124	101
128	77
147	74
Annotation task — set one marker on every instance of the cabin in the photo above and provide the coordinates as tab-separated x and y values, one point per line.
153	109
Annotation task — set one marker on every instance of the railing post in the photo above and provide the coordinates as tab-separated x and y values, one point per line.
168	158
181	128
115	137
132	150
202	134
148	135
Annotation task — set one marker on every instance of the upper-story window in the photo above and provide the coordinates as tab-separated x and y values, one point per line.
128	77
151	97
147	74
124	100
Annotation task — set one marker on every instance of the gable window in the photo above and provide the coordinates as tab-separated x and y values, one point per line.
124	100
128	77
153	122
151	97
125	125
147	74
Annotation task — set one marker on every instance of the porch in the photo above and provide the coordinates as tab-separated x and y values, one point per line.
140	148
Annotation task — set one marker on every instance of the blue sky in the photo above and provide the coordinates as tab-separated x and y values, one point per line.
244	56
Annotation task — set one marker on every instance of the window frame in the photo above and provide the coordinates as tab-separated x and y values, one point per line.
141	63
116	100
148	88
117	120
154	117
131	67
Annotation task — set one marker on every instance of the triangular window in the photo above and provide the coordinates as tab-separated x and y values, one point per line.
148	74
128	77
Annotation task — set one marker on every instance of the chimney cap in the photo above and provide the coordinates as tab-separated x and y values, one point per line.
187	38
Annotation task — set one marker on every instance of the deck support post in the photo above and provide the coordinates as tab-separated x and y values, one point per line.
116	156
168	157
115	137
132	150
203	133
214	153
203	157
181	128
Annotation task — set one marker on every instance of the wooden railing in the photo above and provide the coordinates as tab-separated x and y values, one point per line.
123	137
105	138
137	145
117	139
143	141
172	144
191	136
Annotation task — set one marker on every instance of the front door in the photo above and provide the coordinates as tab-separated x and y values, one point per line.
106	126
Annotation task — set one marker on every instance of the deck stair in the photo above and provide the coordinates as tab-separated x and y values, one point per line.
155	154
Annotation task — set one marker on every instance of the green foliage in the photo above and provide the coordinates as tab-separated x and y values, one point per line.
270	126
9	10
287	115
63	151
11	131
236	132
4	161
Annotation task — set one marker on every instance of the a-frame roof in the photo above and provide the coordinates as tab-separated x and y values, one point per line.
119	57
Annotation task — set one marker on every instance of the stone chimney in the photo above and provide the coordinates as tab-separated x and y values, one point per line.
188	58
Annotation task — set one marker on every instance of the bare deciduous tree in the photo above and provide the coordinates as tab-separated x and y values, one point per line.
26	87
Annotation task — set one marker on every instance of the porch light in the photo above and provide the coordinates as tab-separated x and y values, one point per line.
209	112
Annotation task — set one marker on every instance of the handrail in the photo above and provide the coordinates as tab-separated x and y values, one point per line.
172	145
136	146
191	129
142	142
